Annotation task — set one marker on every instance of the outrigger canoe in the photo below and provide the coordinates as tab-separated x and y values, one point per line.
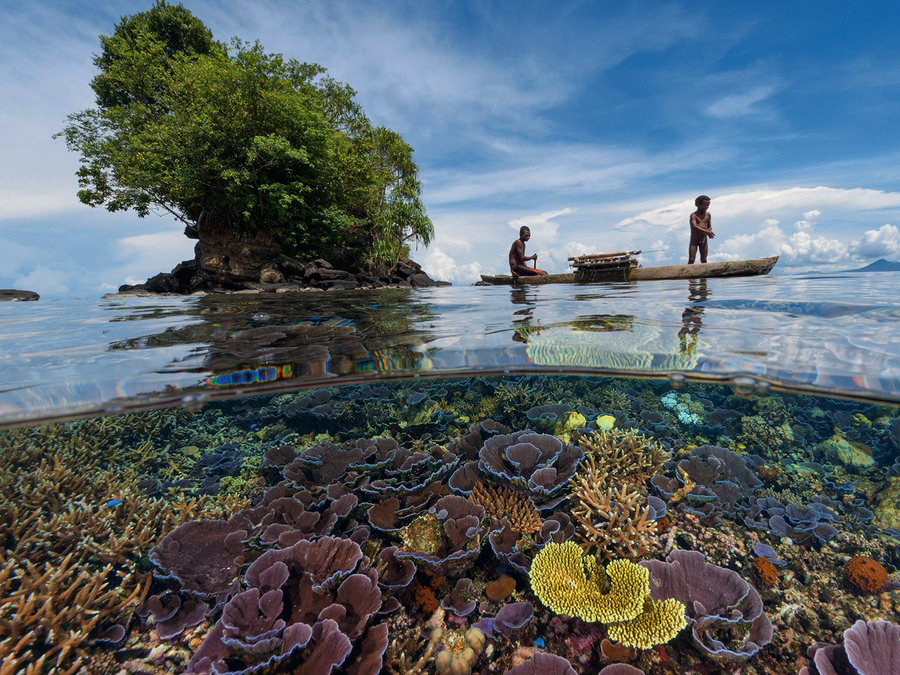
737	268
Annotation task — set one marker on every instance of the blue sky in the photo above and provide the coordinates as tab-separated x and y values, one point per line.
594	123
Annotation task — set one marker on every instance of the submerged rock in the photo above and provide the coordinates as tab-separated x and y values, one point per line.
848	453
887	507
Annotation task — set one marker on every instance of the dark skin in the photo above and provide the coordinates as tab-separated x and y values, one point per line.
701	232
517	257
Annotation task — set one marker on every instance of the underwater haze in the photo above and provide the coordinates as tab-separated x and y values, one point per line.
667	477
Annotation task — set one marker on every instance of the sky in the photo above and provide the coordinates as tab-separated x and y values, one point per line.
594	123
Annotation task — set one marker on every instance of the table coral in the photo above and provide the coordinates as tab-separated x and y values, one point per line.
538	463
570	583
657	624
716	598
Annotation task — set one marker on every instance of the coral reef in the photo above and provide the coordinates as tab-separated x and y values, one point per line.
715	598
507	503
869	648
766	571
543	664
866	574
657	623
392	527
75	526
619	457
448	536
540	464
568	582
612	523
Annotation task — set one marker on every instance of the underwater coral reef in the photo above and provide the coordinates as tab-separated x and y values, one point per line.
514	525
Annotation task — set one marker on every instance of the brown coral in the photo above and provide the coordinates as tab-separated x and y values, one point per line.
766	571
867	574
615	457
74	530
505	502
426	599
500	589
613	524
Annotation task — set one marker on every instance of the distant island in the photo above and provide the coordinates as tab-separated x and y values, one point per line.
880	265
272	165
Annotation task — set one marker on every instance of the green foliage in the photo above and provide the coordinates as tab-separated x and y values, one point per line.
231	136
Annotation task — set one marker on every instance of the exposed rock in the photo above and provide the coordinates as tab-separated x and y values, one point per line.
12	295
253	262
162	283
228	256
270	274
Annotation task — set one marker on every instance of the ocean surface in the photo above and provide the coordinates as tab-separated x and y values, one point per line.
835	333
663	477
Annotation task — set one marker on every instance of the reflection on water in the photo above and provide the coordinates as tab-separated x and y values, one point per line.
692	316
393	527
62	356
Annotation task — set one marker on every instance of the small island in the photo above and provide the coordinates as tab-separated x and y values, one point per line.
271	164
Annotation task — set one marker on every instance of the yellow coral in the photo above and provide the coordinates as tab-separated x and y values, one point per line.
606	422
567	424
659	623
569	583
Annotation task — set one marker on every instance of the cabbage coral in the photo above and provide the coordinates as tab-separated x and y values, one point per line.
569	583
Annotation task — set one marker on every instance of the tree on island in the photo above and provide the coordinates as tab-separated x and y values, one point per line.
258	155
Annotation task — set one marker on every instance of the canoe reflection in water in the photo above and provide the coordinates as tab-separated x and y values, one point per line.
692	316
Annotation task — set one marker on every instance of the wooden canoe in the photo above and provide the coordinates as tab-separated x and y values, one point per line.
737	268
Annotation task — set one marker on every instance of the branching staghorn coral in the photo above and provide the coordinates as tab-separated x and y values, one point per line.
612	523
615	457
513	505
74	531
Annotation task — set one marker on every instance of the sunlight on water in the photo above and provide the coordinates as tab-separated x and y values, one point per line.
81	356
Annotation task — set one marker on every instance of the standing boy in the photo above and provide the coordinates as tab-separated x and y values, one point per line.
701	229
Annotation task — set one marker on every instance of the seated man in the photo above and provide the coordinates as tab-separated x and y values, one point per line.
517	266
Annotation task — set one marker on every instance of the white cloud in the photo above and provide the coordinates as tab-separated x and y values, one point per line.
144	255
798	248
881	243
738	105
439	265
770	202
812	240
542	225
47	281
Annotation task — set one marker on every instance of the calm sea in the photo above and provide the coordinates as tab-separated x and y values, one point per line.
432	481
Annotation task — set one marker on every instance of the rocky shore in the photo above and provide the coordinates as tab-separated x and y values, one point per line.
12	295
282	275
